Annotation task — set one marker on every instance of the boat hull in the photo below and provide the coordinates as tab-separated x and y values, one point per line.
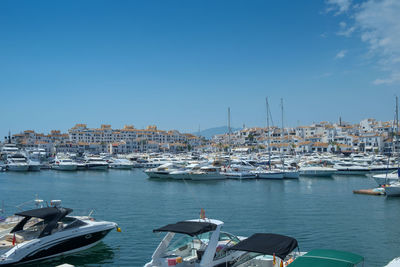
17	167
352	172
291	174
69	167
392	191
97	167
121	166
240	175
317	173
205	177
56	247
266	175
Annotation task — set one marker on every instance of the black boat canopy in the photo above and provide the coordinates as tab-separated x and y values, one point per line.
188	227
267	244
51	214
44	213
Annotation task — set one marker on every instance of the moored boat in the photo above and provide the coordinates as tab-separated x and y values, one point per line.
54	233
194	243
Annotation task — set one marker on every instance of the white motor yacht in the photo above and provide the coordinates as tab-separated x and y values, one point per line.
208	172
53	234
96	163
290	174
275	174
34	165
122	164
316	171
346	168
64	164
195	243
240	171
184	173
17	162
163	171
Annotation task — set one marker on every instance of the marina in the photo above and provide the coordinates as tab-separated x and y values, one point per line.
200	133
319	212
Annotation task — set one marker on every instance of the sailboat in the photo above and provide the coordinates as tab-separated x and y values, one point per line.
268	173
287	173
393	189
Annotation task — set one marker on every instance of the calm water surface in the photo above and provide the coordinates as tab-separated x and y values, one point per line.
318	212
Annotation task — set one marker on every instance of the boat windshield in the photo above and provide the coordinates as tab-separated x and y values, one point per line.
225	241
184	245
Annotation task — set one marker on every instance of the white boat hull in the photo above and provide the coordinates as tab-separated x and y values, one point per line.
272	175
291	174
18	167
240	175
97	167
204	177
65	167
180	176
352	172
317	173
121	166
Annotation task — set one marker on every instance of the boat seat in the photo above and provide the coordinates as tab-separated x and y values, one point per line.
18	238
5	244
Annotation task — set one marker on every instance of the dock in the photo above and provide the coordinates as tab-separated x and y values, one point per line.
374	192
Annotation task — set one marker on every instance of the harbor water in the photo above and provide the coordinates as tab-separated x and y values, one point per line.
318	212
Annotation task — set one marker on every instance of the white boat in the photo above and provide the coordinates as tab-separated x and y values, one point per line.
53	235
184	173
345	168
122	164
317	171
17	162
239	171
291	174
163	171
274	174
96	163
195	243
393	189
34	165
208	172
64	164
394	263
386	178
240	175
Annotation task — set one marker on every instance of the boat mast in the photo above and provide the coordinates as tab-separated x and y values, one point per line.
397	134
268	140
282	135
229	135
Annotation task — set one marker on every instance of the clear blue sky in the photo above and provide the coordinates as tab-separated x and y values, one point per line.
180	64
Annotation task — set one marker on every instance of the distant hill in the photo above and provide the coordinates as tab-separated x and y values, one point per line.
209	133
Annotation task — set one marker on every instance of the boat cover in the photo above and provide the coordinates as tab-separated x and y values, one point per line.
267	244
188	227
327	258
45	213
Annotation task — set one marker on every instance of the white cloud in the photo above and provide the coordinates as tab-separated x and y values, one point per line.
339	6
393	78
344	30
341	54
378	23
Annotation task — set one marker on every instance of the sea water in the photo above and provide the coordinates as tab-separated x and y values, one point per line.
318	212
